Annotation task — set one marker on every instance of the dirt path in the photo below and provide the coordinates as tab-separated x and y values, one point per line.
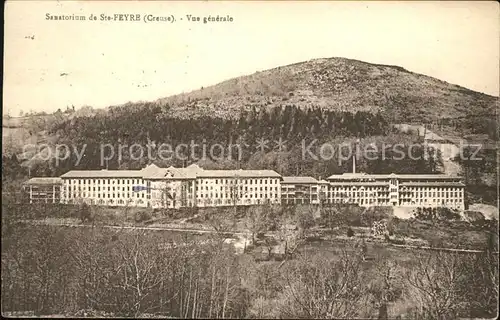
436	249
236	233
242	239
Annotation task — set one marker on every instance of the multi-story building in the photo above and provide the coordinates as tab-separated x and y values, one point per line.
236	187
105	187
299	190
171	187
196	187
405	190
46	190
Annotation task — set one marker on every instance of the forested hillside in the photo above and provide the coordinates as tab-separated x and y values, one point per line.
299	129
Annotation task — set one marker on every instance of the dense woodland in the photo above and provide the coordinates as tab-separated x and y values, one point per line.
100	272
149	125
298	128
480	164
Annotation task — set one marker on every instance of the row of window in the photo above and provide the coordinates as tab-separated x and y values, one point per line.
384	189
207	202
302	188
306	196
89	188
106	195
359	201
423	201
431	189
343	188
438	194
238	196
50	188
104	181
110	201
240	180
45	196
128	181
359	194
228	189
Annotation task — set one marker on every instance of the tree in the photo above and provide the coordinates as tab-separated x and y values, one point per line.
385	285
305	220
364	249
85	212
320	288
222	221
350	233
330	216
256	220
481	282
270	242
434	283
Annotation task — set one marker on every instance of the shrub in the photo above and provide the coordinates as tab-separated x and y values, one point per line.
354	216
447	214
305	219
350	233
473	216
397	241
142	216
387	238
373	214
85	213
390	226
432	214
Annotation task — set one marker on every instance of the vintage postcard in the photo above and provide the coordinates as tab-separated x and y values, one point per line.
250	159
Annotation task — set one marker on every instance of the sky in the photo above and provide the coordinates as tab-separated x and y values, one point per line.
52	64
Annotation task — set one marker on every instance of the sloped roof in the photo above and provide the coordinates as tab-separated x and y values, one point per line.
103	174
43	181
152	171
304	180
433	184
183	173
238	173
355	176
360	184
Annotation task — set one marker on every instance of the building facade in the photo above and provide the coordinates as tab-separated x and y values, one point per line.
403	190
237	187
299	190
196	187
104	187
43	190
171	187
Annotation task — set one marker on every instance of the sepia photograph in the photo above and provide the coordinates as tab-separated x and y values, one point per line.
250	159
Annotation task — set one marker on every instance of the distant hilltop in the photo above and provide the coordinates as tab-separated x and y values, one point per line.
340	84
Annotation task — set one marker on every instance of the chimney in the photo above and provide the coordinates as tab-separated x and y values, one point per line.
354	156
354	163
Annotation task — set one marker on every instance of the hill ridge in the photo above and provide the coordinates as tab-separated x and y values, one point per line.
336	83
